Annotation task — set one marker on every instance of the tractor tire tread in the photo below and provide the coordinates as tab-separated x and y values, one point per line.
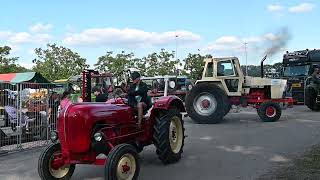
161	140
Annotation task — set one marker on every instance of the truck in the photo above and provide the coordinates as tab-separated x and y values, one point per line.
297	67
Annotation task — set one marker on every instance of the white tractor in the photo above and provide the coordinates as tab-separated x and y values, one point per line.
223	85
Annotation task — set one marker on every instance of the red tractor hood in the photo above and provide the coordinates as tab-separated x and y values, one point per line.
77	121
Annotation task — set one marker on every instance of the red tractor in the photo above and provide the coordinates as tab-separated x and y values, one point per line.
88	129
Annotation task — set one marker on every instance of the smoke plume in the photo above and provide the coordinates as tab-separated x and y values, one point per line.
277	42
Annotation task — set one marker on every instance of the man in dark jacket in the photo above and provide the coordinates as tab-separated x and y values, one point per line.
138	96
100	96
316	75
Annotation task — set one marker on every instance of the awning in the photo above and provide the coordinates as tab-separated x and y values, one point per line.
31	77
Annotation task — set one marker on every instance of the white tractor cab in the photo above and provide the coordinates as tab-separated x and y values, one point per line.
223	85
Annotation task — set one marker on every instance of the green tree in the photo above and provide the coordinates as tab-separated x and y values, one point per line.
193	65
161	63
115	64
152	64
278	66
9	64
58	62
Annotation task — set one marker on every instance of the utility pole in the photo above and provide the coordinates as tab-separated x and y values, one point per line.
177	71
245	49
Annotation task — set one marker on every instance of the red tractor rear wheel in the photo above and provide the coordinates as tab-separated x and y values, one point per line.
169	136
269	111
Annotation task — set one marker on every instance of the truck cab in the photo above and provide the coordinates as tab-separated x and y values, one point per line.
297	67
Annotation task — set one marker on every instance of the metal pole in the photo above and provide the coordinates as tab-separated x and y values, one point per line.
245	46
19	108
166	81
177	54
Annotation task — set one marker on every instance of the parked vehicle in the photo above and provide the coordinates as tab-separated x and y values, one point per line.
312	94
223	85
297	67
168	85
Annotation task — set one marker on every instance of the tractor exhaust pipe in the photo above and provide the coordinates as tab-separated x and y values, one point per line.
261	66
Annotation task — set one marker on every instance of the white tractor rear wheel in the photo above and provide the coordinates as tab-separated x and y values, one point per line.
207	103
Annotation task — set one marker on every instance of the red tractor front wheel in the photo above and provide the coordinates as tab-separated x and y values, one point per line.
269	111
50	164
123	163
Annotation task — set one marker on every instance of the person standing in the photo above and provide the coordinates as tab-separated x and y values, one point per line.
53	108
65	100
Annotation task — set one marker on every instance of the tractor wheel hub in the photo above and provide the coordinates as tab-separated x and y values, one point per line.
205	104
126	167
271	111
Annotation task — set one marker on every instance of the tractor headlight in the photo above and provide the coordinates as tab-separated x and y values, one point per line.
53	136
98	136
172	84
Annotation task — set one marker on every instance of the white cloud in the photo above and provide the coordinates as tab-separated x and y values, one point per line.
40	28
26	65
234	44
5	35
303	7
24	37
20	38
275	8
128	37
42	38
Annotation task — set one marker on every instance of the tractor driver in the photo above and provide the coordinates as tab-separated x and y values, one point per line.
138	97
316	75
220	70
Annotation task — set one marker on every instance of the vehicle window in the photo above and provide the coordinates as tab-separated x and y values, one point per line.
296	71
209	70
225	68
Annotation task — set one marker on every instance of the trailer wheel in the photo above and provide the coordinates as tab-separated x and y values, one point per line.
207	103
48	169
169	136
269	111
310	99
123	163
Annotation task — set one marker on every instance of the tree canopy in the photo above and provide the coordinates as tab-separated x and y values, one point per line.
58	62
9	64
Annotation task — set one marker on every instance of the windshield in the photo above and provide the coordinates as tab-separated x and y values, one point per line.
296	71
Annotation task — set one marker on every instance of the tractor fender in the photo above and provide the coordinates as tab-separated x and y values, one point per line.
168	101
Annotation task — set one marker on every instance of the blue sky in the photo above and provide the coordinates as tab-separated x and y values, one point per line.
220	28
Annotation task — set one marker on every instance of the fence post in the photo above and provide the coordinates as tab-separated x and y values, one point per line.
19	105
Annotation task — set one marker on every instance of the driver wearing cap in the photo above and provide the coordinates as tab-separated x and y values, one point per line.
137	96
